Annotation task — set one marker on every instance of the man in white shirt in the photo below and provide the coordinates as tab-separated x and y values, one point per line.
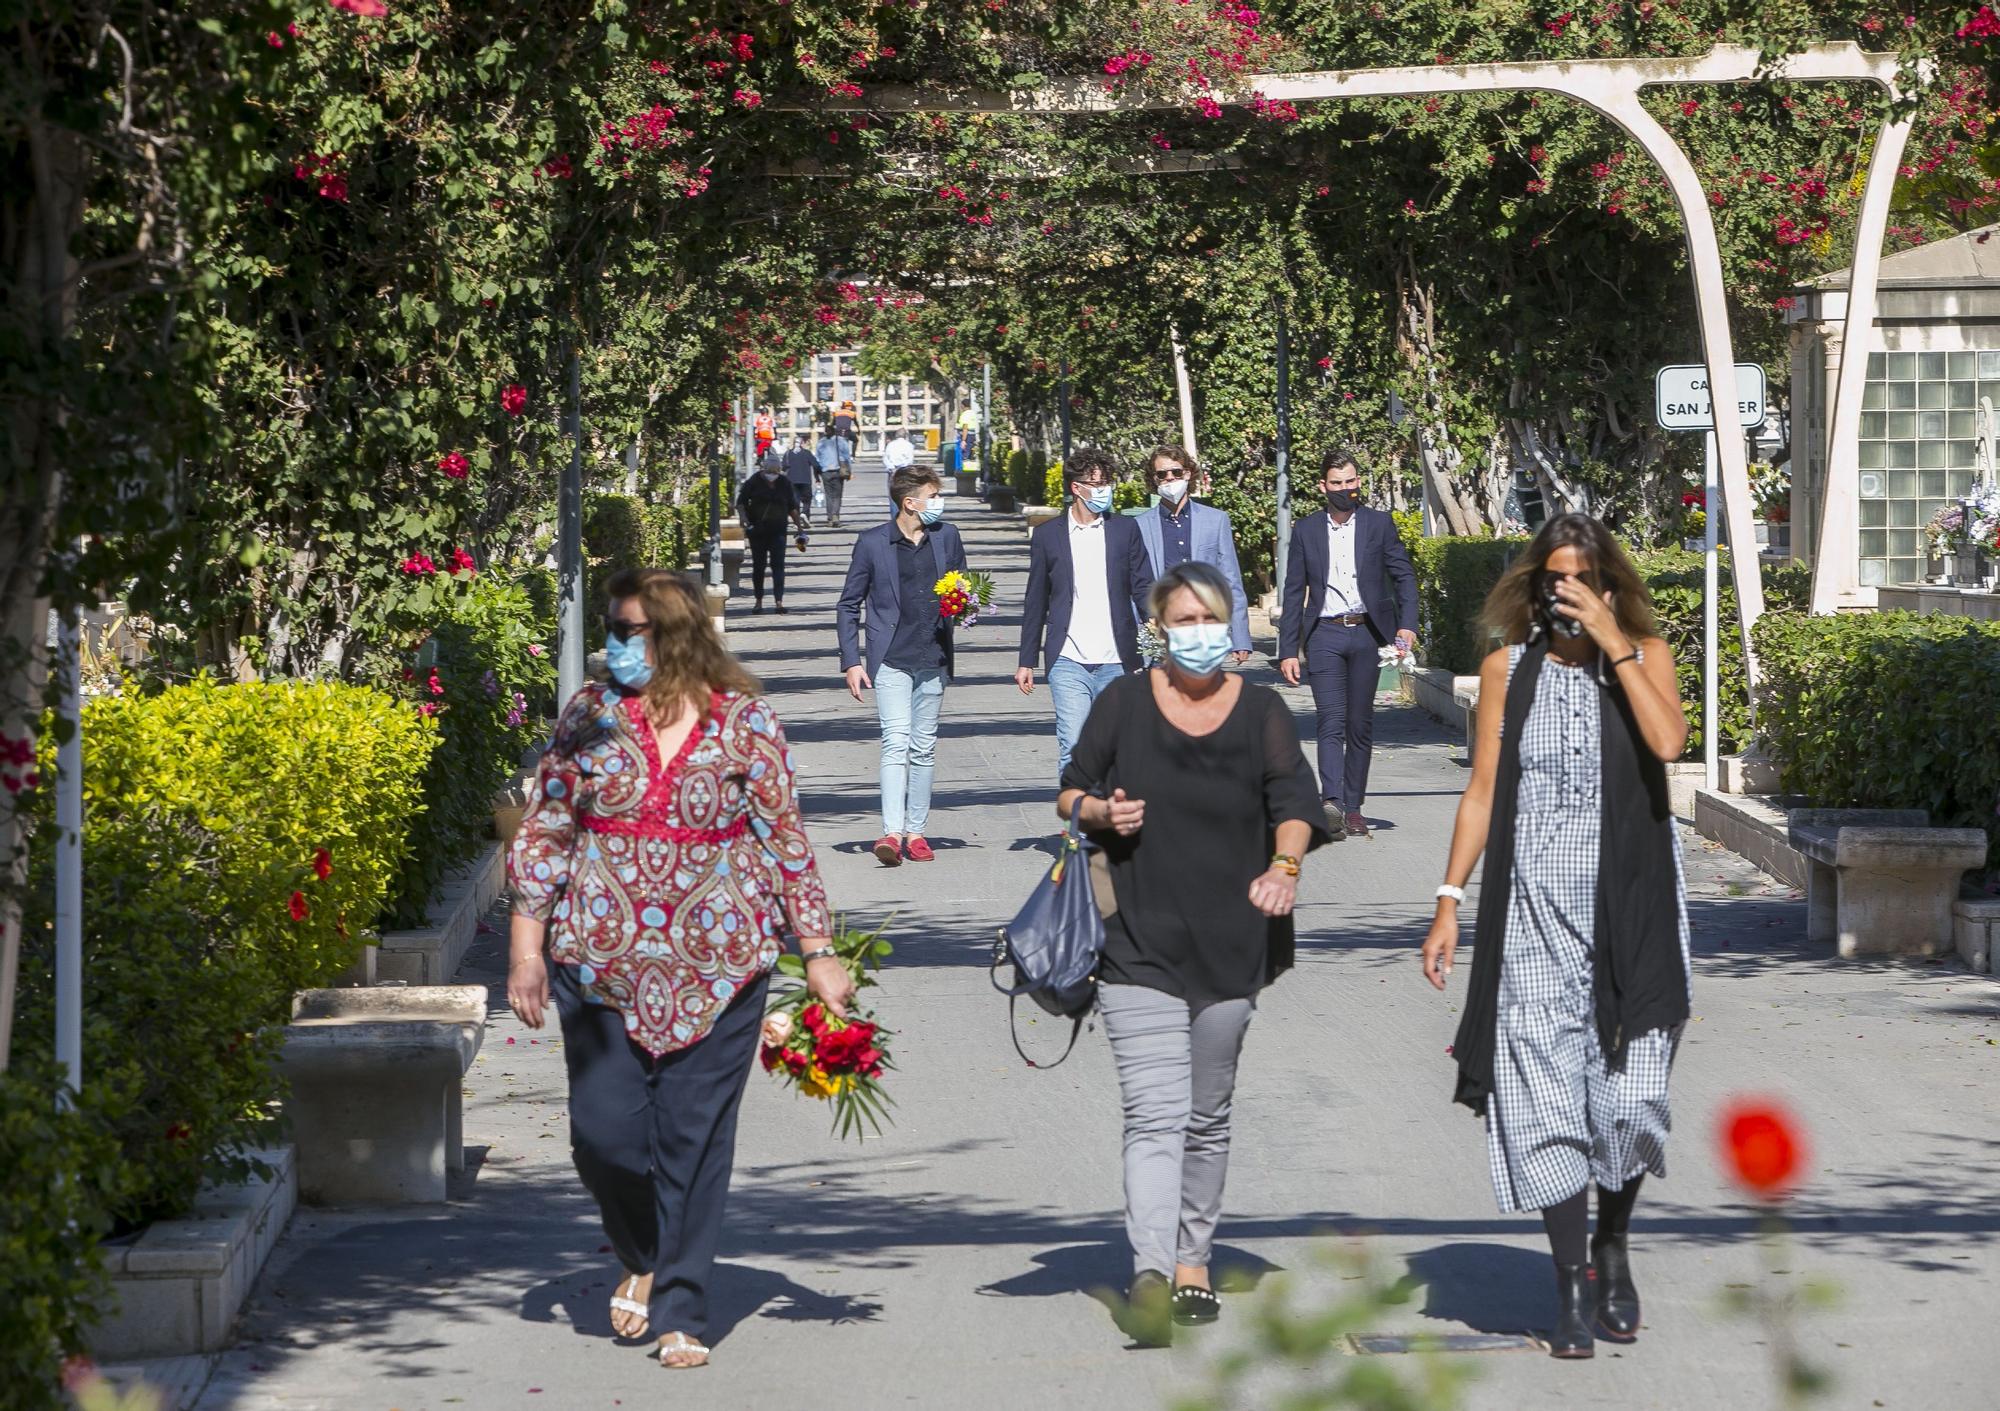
897	453
1088	577
1349	591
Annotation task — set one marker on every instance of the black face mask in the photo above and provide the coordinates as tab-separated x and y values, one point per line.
1342	501
1551	621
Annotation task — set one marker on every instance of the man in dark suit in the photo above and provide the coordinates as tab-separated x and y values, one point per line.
1088	577
803	471
894	571
1349	591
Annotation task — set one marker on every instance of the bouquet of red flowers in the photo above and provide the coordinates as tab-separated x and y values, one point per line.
831	1059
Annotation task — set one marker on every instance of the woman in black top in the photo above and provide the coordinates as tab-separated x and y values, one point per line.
1193	783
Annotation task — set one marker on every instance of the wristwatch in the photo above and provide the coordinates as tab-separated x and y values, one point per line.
1455	893
823	953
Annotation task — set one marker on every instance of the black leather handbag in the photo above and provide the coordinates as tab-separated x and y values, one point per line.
1055	942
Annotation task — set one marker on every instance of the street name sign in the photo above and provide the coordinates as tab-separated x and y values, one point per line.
1681	400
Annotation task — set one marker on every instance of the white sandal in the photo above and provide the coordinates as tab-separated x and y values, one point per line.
622	1304
674	1343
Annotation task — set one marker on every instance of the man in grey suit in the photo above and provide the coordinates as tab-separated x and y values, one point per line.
894	572
1349	591
1180	530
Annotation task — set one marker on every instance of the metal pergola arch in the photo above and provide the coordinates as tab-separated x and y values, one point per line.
1612	87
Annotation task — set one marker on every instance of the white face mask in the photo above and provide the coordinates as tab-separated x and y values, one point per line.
1173	491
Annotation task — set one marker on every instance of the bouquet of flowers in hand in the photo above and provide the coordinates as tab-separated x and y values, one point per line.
1152	642
829	1058
960	595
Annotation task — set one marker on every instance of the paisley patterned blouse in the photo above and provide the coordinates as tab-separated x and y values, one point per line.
666	882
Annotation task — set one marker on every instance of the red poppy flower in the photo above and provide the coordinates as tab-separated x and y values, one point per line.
1763	1147
299	909
322	864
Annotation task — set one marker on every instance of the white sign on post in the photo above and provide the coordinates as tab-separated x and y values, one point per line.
1681	400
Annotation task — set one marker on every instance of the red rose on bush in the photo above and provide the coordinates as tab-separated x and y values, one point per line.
513	399
455	465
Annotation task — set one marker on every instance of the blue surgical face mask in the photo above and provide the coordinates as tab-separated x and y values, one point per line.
1199	650
1098	499
930	512
1172	491
627	661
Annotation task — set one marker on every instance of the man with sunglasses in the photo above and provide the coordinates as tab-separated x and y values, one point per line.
1349	591
1088	578
1181	530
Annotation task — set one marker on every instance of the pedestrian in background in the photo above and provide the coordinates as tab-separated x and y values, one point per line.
1349	591
1087	584
803	471
893	578
1193	783
766	431
897	454
666	795
1179	530
833	476
848	433
766	503
1579	988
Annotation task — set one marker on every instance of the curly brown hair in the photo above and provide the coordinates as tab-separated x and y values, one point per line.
689	660
1510	607
1088	461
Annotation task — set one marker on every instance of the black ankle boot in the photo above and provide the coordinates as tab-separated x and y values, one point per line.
1578	1307
1617	1295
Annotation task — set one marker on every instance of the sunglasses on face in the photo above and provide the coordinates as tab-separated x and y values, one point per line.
1165	472
622	631
1549	579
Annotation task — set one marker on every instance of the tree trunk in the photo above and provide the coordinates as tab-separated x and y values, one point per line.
41	210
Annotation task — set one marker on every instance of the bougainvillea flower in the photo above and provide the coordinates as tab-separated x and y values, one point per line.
462	562
513	399
367	9
419	565
1761	1146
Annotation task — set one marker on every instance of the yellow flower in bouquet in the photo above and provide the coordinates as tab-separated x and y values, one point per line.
959	593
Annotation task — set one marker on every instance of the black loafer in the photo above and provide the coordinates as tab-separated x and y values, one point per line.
1147	1315
1195	1306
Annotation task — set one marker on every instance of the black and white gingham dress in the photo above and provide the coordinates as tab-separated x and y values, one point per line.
1557	1118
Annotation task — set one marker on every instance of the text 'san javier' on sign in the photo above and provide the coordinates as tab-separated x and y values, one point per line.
1682	402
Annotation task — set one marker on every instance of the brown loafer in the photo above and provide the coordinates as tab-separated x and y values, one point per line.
1357	826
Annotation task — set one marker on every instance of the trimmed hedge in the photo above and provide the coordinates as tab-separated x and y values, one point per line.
1020	477
1886	710
1454	575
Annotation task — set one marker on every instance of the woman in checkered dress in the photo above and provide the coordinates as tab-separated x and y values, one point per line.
1579	986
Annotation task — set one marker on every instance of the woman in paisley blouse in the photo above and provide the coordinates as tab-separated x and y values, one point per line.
660	865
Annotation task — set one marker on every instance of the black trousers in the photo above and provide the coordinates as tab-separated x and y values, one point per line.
654	1139
767	549
1342	667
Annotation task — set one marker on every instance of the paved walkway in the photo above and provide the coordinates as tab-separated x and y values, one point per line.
952	1263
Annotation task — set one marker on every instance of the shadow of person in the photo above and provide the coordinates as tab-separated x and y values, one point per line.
1489	1288
739	1291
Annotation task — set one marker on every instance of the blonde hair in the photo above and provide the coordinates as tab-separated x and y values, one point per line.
689	660
1207	584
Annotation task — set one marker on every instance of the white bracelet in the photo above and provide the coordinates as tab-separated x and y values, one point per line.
1455	893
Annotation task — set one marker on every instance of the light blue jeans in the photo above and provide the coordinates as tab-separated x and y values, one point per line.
1076	688
907	705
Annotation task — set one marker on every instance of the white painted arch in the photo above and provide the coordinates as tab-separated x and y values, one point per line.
1611	87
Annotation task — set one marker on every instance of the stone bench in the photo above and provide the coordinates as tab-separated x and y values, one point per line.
1882	881
376	1107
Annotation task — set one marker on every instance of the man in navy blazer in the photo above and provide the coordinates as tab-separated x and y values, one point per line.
1349	591
1180	530
894	571
1087	584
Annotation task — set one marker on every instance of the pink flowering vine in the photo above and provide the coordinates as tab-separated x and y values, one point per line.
323	171
463	563
17	764
419	565
1208	107
1983	25
366	9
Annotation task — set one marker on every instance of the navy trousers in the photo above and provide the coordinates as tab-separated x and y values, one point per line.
654	1139
767	550
1342	667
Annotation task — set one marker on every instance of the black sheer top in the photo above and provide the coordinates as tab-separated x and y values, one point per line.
1185	922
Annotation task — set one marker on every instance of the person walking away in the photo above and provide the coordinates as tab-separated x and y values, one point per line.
1349	591
803	471
1087	584
897	454
666	795
1192	781
833	477
766	428
849	432
1579	989
1180	530
908	661
766	503
968	432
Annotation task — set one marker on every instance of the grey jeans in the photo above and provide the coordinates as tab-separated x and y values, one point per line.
1177	1078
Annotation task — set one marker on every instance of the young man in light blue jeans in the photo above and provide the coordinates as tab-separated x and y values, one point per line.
894	575
1088	577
